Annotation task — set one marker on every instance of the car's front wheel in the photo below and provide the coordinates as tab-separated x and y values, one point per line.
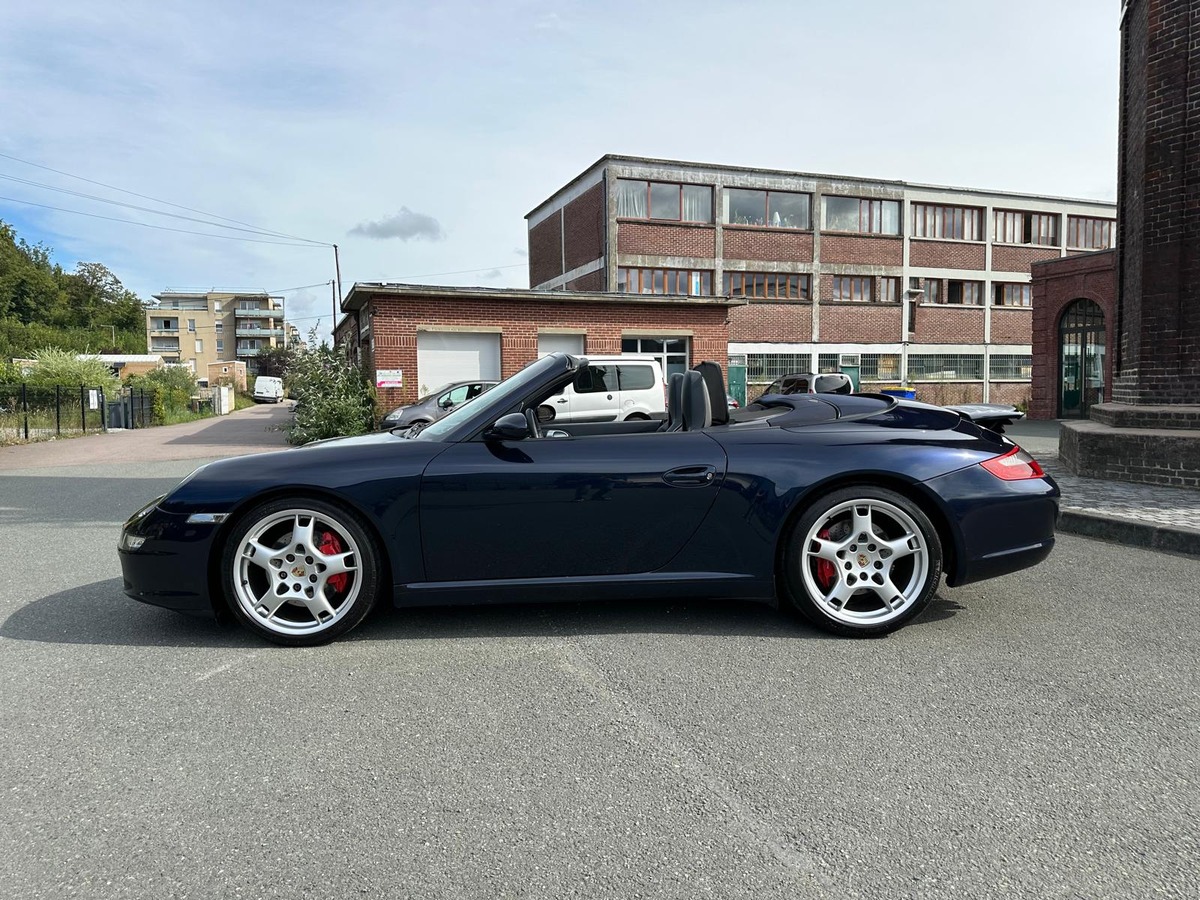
300	572
862	561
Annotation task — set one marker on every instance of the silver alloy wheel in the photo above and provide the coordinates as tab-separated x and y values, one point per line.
877	558
282	578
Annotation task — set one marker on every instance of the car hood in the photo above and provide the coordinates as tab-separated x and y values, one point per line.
337	464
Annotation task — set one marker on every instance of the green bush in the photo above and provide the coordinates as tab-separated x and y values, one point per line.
55	366
333	397
173	387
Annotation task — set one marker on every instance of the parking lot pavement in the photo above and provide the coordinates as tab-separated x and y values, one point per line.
1144	515
1030	736
251	430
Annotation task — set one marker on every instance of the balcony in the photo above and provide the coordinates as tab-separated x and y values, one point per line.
259	332
165	331
249	351
264	313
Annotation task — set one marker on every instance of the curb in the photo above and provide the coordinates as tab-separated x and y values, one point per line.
1169	539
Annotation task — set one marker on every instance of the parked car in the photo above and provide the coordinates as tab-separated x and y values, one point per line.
268	389
996	416
434	405
610	388
846	508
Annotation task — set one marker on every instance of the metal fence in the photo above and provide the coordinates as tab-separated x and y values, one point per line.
31	412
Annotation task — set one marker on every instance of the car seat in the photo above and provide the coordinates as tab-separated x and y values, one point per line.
714	381
675	402
697	408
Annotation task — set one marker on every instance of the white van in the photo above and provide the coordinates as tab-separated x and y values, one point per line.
268	389
611	388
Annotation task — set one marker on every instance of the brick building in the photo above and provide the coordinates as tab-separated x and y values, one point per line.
921	284
423	336
1074	304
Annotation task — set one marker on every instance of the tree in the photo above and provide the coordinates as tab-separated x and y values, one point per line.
333	397
276	361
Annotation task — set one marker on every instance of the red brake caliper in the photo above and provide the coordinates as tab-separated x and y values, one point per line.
825	569
330	546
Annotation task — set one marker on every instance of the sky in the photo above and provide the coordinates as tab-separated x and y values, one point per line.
416	136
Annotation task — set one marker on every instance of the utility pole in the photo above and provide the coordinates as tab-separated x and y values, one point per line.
333	327
337	268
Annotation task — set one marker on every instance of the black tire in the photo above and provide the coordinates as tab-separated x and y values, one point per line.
861	588
637	417
262	564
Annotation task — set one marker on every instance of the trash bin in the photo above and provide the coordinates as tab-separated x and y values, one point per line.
904	393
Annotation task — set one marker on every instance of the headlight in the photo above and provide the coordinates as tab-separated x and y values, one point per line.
131	542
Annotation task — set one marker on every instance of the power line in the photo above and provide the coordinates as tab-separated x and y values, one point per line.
224	237
465	271
147	197
156	212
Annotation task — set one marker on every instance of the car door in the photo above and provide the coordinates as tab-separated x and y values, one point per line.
538	508
594	395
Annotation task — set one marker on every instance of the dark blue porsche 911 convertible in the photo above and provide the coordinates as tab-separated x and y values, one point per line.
845	508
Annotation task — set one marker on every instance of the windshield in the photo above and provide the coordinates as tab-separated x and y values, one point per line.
500	398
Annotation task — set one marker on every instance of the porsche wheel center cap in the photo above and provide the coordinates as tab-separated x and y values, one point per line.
863	560
298	571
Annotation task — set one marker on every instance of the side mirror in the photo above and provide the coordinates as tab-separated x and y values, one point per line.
513	427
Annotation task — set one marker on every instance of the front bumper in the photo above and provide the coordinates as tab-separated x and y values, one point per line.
171	566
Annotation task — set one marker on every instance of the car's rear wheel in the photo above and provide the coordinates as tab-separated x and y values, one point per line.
637	417
300	571
862	561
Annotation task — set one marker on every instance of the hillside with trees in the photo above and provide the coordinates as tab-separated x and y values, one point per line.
43	305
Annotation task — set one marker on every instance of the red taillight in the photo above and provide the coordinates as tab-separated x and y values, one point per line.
1015	465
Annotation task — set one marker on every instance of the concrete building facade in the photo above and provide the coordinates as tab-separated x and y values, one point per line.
917	284
199	329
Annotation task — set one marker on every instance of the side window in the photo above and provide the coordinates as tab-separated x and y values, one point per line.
474	390
454	397
596	379
635	378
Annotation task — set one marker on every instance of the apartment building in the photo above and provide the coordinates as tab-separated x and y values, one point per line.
912	284
198	329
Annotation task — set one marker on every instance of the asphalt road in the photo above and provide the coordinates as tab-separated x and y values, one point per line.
1032	736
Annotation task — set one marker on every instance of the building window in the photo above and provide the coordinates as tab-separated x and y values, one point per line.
671	353
219	327
1011	367
828	362
216	306
861	215
889	289
199	345
1090	234
220	346
663	200
956	223
852	289
879	366
933	291
774	209
1012	294
964	293
945	367
1026	228
663	281
191	325
762	368
769	285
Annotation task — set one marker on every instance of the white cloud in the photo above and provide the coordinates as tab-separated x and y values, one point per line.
405	225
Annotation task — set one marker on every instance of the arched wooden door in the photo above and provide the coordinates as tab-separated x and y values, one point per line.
1081	359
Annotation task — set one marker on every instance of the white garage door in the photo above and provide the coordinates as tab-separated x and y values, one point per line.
445	356
560	343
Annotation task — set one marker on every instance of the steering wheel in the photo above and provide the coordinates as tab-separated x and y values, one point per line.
535	430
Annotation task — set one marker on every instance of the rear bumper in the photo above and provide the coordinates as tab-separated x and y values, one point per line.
171	568
1000	526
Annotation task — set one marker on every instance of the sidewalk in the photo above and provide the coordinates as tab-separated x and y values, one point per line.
254	430
1143	515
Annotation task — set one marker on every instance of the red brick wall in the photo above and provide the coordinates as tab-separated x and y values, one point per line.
666	240
859	323
1019	259
545	250
771	322
397	319
1011	392
593	281
943	254
867	251
583	227
1012	325
940	324
1056	285
758	243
